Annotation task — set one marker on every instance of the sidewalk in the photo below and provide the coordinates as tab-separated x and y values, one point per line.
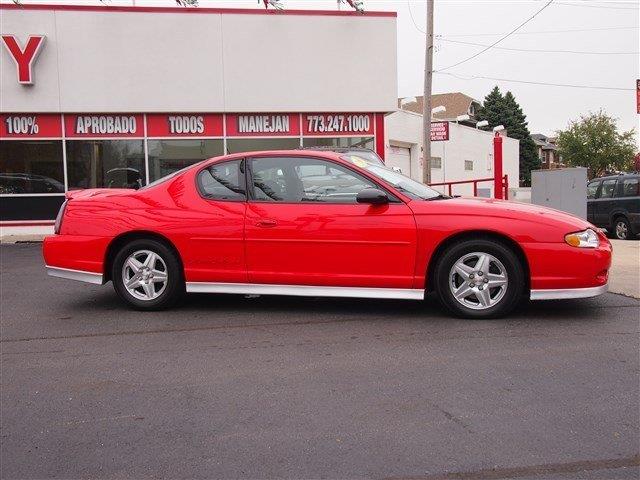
624	276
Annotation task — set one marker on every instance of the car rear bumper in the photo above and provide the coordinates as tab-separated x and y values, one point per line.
79	275
567	293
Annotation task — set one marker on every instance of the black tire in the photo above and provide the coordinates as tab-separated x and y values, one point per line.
622	229
510	297
174	288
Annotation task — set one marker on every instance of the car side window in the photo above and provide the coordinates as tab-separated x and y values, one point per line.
631	187
592	190
608	187
294	179
223	181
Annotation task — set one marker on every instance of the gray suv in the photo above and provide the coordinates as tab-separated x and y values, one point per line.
613	203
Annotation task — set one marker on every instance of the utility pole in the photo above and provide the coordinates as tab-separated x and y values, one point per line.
426	99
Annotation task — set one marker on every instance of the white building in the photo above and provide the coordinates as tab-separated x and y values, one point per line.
466	155
117	96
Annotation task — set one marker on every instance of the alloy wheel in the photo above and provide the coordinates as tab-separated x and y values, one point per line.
478	280
621	230
144	275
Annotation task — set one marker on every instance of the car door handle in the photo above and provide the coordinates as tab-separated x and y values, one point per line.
266	223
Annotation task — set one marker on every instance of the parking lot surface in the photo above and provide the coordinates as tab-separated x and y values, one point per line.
276	387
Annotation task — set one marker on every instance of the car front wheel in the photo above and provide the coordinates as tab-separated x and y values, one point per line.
479	279
147	275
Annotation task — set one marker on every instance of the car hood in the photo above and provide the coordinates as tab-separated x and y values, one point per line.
500	209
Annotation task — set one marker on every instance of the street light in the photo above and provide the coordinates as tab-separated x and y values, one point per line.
406	100
462	118
498	128
438	109
483	123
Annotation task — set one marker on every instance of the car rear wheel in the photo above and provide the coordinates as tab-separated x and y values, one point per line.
622	229
479	279
147	275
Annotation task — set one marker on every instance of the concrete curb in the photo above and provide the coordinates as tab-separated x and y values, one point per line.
8	239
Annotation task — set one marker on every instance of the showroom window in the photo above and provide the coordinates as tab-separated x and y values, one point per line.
360	142
168	156
31	166
237	145
105	164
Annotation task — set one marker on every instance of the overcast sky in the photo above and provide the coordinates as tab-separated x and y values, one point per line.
548	108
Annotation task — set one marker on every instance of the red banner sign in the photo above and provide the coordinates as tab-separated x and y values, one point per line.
439	131
263	125
333	124
184	125
104	125
31	125
638	96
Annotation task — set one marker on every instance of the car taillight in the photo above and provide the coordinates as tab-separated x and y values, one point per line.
58	224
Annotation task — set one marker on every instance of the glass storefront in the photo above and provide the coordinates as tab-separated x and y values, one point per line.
31	166
105	164
360	142
54	153
168	156
236	145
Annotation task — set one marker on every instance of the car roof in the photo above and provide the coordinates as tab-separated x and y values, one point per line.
619	175
276	153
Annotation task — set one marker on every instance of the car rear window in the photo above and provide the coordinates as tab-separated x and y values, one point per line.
631	187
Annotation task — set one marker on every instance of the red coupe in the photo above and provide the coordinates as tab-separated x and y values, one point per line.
321	224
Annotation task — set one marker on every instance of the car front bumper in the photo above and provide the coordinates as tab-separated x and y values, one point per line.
567	293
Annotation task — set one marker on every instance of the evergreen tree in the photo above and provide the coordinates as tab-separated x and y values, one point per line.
504	110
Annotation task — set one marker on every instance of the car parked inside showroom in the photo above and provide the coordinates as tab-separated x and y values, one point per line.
613	203
317	223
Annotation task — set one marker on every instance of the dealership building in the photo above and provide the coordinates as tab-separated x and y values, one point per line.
103	96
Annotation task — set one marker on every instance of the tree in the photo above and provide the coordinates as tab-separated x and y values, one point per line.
504	110
594	142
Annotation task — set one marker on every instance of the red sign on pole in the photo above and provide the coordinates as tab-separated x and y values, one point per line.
439	131
32	125
184	125
638	96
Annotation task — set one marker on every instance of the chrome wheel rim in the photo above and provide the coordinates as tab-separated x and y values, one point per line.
478	280
145	275
621	230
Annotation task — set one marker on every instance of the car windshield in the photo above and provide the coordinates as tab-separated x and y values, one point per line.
400	182
370	157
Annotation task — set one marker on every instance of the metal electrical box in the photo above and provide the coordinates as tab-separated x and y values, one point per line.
562	188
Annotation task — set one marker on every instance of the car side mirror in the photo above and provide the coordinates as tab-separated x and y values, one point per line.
372	196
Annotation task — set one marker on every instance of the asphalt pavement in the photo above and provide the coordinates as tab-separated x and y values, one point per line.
277	387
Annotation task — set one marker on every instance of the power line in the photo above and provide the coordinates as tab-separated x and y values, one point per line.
577	52
475	77
500	39
538	32
585	5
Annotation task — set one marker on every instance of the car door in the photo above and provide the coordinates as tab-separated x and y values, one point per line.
211	243
592	193
605	202
304	227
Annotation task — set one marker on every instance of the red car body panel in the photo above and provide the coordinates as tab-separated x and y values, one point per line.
348	245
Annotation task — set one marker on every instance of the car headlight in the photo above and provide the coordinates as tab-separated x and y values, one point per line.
585	239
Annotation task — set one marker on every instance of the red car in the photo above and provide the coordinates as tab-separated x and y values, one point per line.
321	224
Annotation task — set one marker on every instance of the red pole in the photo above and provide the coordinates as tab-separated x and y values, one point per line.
498	191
